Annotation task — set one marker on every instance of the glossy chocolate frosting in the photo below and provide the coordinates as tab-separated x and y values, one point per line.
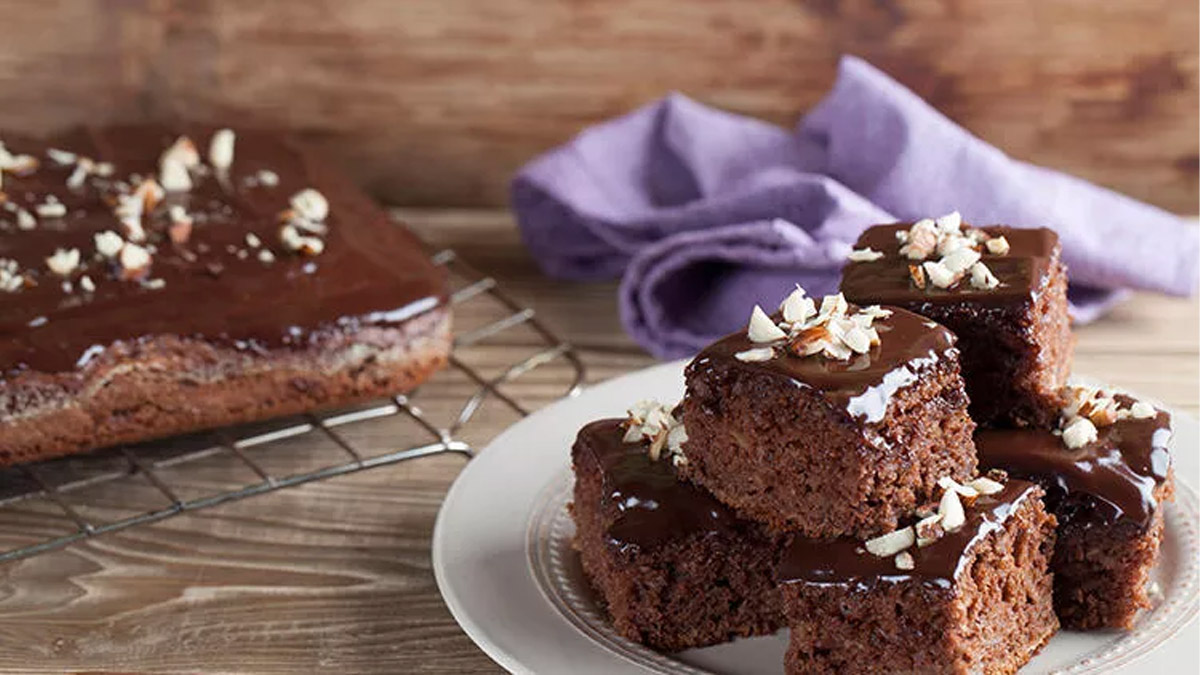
846	562
653	505
865	383
371	272
1110	480
1021	272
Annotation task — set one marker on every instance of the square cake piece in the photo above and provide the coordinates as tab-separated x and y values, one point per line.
828	422
149	287
675	568
1002	290
1106	472
965	590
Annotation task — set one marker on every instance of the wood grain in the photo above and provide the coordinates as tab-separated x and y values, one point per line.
437	103
336	575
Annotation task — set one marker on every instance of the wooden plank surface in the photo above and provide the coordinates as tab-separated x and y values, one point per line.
436	103
336	575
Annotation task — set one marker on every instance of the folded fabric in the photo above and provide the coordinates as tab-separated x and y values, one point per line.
704	213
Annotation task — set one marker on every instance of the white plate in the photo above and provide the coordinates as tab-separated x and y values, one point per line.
502	556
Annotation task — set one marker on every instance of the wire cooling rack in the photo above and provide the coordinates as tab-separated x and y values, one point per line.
65	490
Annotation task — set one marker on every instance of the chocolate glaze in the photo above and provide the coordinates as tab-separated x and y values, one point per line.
1104	482
1021	272
371	272
862	385
845	562
654	506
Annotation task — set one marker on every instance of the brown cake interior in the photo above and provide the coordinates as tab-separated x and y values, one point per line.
977	600
674	567
1015	339
827	448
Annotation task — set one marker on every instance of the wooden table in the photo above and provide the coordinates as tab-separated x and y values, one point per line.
336	575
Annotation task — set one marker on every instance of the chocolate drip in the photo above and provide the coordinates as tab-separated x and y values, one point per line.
846	562
1104	482
862	385
653	504
1021	271
371	273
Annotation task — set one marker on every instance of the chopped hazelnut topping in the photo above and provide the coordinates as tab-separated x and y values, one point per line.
985	486
135	261
86	283
891	543
1079	432
184	151
180	229
948	483
982	277
950	508
310	205
1142	410
252	240
864	255
939	275
293	241
918	276
155	284
25	220
904	561
63	262
655	422
960	260
267	178
265	256
797	307
220	149
51	208
922	240
755	355
949	223
174	176
61	156
108	243
762	328
929	530
997	246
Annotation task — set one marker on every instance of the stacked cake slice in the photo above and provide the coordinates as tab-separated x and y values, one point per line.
822	473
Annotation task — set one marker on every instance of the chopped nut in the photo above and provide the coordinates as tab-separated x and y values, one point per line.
174	176
25	220
997	246
63	262
292	240
960	260
929	530
796	307
310	204
857	339
252	240
950	508
61	156
833	305
1142	410
1101	410
922	240
864	255
891	543
180	229
949	223
86	283
917	273
155	284
755	355
998	475
985	486
135	261
809	341
265	256
267	178
762	328
904	561
183	151
220	149
1079	433
150	193
982	277
902	236
876	312
939	275
51	209
108	243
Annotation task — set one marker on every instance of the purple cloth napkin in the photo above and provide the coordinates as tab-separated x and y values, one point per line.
705	213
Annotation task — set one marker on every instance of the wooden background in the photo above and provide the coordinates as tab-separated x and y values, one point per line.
436	102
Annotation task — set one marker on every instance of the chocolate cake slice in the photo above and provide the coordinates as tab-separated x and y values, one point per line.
828	422
675	568
1106	473
965	590
150	287
1002	290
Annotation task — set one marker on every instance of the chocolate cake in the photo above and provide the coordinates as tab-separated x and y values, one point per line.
1107	492
148	289
976	599
828	422
675	568
1002	291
